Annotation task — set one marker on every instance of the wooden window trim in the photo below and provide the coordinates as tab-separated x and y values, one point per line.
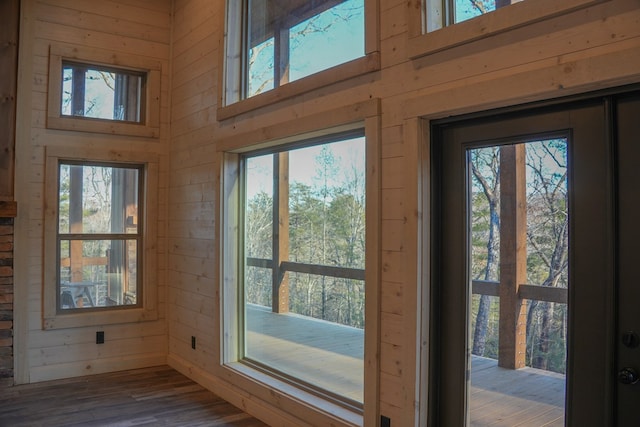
149	125
422	43
148	310
231	81
265	387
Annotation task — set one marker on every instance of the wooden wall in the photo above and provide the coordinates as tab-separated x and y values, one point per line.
585	50
582	51
134	27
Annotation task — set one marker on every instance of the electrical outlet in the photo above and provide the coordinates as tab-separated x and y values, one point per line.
100	337
193	342
385	421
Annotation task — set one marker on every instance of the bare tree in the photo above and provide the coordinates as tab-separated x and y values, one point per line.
485	167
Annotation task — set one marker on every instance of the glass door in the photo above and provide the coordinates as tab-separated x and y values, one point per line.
523	305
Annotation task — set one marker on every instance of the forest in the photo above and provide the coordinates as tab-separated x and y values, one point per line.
547	249
326	228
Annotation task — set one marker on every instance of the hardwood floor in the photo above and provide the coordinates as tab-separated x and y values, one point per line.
158	396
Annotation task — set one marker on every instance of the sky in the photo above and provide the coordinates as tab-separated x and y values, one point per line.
303	166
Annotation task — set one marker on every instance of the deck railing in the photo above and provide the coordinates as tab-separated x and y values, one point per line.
528	292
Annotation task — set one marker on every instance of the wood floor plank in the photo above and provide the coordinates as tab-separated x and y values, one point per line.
157	396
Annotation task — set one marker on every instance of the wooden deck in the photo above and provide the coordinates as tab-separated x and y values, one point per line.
331	356
158	396
321	353
504	397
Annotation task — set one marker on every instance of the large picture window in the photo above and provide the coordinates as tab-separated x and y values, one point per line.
299	250
270	44
304	248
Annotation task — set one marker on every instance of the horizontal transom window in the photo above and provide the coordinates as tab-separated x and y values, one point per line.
277	49
102	92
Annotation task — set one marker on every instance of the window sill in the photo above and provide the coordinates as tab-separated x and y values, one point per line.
484	26
316	410
110	127
103	317
357	67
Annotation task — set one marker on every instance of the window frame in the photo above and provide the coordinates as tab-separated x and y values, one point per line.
280	266
231	78
422	43
149	125
146	307
270	388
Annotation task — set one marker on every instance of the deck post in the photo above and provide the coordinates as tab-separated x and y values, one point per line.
280	278
76	177
513	256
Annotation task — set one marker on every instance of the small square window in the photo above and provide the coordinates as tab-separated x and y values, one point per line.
91	90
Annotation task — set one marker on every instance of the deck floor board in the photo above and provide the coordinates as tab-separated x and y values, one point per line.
331	356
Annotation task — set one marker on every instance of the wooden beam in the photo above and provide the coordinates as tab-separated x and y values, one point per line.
483	287
66	262
529	292
8	209
280	293
544	293
76	177
9	10
513	256
331	271
324	270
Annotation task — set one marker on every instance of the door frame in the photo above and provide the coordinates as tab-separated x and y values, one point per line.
579	387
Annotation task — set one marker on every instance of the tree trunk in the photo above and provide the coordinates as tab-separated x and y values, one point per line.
482	322
484	307
541	359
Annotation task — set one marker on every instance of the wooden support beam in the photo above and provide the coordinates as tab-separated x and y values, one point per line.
280	281
8	209
9	11
513	256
